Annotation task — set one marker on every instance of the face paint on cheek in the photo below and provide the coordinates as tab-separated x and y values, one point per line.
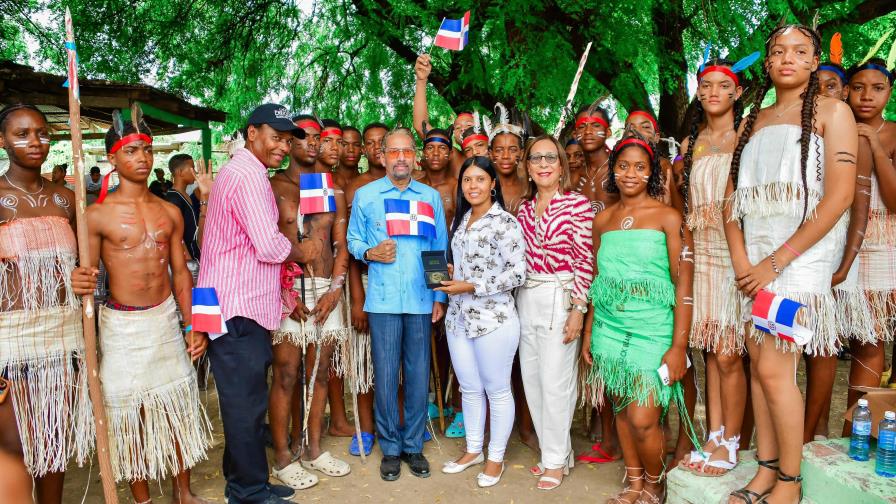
45	140
601	134
20	144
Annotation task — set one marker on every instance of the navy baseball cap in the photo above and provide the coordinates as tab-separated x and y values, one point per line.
277	117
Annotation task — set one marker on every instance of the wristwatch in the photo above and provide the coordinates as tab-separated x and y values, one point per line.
366	255
581	308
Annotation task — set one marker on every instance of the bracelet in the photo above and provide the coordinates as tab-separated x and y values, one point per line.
203	203
788	247
188	328
581	308
775	264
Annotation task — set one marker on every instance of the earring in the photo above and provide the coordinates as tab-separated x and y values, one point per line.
530	179
494	193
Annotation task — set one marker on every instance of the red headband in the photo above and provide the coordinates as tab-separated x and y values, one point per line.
648	116
635	141
718	68
592	119
133	137
308	123
468	114
473	138
331	131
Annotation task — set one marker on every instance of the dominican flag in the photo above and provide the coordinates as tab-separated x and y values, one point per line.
207	316
454	33
316	194
776	315
409	217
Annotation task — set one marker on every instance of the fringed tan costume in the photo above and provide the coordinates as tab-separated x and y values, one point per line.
877	266
332	332
42	345
854	317
717	325
150	393
769	201
360	377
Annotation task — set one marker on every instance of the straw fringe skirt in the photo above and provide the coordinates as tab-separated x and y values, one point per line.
151	394
42	356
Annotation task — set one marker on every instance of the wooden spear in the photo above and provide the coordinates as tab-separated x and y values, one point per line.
572	92
87	309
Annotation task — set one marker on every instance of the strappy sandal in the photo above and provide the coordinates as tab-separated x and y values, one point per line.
696	457
554	482
650	498
726	465
618	498
748	496
537	469
605	458
798	479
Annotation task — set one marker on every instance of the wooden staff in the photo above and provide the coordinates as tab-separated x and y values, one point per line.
87	310
352	365
572	92
436	379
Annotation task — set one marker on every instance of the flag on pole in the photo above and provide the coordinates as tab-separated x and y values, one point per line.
454	33
207	315
316	194
409	217
776	315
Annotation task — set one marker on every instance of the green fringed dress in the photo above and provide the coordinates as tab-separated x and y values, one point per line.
633	296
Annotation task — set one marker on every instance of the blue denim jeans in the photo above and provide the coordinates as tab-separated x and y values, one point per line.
400	340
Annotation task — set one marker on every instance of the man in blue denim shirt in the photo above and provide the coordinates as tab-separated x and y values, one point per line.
399	305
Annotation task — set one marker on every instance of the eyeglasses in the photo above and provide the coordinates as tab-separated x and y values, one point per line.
397	153
549	158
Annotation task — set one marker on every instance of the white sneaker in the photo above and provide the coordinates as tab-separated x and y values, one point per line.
453	467
485	481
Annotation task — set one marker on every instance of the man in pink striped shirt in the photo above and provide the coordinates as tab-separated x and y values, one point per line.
242	253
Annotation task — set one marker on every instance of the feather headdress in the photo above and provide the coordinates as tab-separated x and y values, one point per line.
505	122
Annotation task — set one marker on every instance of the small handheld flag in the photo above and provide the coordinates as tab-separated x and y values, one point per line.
776	315
409	217
454	33
207	316
316	194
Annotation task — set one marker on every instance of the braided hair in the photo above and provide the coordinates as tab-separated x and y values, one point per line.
655	187
8	110
697	118
807	114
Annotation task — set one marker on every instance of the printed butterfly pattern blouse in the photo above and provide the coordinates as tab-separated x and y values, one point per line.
491	256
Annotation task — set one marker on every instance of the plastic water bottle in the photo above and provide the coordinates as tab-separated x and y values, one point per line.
861	431
886	446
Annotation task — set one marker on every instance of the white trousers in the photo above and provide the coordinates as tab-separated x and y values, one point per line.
549	367
483	365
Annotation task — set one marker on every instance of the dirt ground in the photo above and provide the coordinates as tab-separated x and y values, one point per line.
586	483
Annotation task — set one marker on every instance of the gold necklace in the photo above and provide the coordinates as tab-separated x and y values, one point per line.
713	148
778	115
